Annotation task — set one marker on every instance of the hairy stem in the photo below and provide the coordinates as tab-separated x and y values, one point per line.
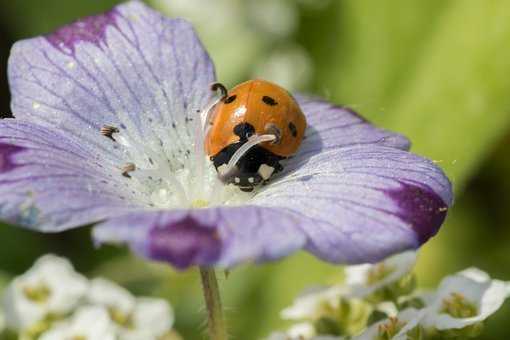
216	323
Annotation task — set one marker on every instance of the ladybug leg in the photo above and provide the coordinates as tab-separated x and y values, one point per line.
207	113
278	167
219	86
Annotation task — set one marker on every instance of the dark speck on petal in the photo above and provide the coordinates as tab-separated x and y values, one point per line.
421	207
184	243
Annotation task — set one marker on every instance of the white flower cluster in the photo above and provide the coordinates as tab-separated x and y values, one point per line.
51	301
379	302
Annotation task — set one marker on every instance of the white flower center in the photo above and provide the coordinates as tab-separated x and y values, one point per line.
39	293
168	167
457	306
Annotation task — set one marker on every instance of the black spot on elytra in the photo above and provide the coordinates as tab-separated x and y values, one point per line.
269	101
293	129
230	99
244	131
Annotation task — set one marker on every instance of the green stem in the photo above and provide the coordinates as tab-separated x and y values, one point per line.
217	329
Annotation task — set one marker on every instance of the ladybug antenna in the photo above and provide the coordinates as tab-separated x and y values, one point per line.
219	86
252	141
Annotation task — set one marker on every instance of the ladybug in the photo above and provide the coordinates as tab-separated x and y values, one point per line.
250	130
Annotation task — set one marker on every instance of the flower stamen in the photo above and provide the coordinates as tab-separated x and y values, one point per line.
458	306
108	131
127	168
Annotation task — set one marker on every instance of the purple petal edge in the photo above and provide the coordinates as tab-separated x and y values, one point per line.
184	243
421	208
7	151
90	29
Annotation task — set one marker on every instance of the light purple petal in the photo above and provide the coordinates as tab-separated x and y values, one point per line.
362	203
218	236
349	205
131	68
331	126
50	181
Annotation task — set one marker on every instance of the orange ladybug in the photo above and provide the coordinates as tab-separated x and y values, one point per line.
250	130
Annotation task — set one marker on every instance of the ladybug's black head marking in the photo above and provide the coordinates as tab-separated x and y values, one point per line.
269	101
293	129
256	167
230	99
244	131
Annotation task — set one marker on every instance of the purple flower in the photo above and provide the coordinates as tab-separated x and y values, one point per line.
352	194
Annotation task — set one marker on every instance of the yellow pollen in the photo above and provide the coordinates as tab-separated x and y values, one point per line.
458	306
79	337
38	294
199	203
120	318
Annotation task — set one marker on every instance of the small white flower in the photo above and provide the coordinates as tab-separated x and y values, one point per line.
116	299
89	323
134	319
394	327
278	336
151	319
313	305
50	287
365	279
304	330
301	332
464	299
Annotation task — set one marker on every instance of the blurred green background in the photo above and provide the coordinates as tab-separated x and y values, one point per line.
436	70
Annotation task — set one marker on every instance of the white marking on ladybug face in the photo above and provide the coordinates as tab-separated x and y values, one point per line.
265	171
251	180
223	169
237	180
